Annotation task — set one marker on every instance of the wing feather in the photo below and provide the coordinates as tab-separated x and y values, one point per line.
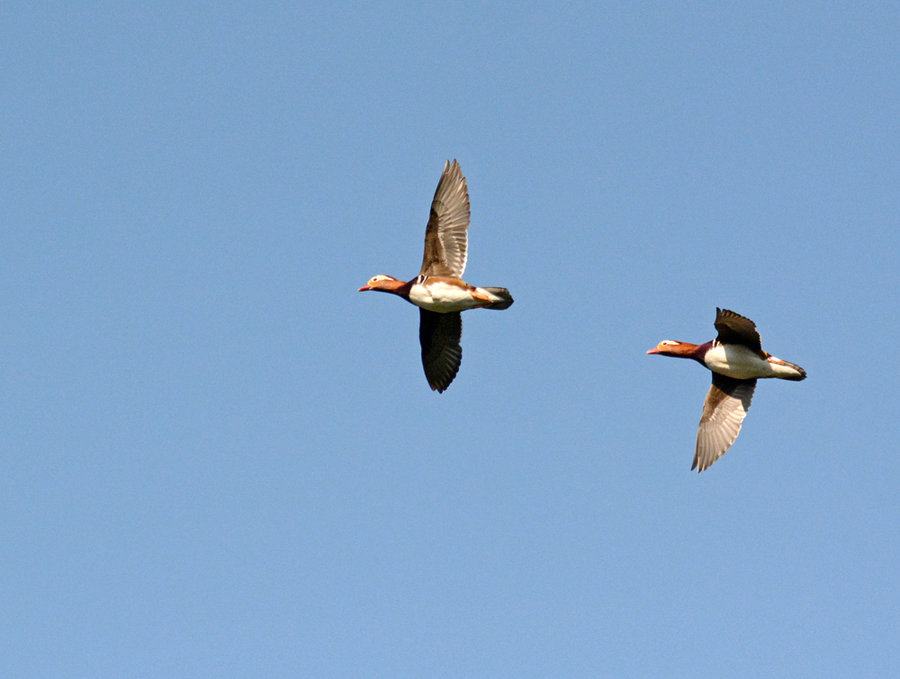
446	236
724	411
439	335
736	329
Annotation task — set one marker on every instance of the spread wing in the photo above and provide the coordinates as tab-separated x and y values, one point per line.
439	335
446	237
724	411
735	329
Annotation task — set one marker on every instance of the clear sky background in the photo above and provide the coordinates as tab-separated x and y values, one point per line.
220	460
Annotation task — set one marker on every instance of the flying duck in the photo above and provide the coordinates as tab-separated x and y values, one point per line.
737	360
438	290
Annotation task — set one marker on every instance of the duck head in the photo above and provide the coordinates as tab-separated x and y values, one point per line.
674	348
382	283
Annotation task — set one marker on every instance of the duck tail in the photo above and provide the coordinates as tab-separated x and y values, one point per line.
801	373
787	370
500	296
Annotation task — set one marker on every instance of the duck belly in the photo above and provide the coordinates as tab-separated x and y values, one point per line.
737	361
442	297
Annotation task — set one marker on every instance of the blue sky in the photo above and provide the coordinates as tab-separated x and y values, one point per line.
220	460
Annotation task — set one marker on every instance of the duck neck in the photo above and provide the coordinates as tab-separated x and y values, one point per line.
394	287
688	350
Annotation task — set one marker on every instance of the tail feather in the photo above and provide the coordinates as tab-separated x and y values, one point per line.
503	300
801	371
786	370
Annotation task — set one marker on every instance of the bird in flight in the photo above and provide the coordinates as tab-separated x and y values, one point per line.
438	290
737	360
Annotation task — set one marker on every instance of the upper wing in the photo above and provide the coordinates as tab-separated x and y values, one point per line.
724	411
735	329
446	237
439	335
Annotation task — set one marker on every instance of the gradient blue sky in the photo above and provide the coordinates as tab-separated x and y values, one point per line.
220	460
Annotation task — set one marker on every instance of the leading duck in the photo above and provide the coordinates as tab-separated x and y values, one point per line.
737	360
438	290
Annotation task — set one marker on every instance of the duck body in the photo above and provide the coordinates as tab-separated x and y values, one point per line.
444	294
438	290
441	294
742	363
737	361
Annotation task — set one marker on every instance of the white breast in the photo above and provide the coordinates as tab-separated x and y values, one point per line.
737	361
441	297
